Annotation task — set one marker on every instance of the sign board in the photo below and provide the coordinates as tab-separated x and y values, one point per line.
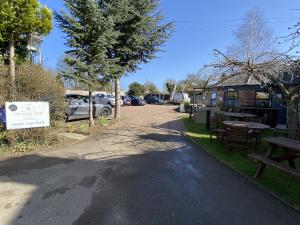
21	115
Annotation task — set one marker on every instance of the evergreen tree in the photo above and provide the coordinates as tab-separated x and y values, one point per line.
19	19
141	33
89	34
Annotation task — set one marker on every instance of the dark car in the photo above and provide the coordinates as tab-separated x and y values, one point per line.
154	100
78	108
126	100
137	101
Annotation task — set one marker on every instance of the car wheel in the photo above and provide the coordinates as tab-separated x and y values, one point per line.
105	112
156	102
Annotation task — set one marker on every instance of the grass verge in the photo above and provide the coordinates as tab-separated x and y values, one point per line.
277	182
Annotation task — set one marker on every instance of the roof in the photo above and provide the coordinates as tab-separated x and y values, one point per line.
242	79
238	80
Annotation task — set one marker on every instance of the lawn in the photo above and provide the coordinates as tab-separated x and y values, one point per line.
279	183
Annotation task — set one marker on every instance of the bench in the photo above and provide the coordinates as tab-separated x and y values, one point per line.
272	163
291	149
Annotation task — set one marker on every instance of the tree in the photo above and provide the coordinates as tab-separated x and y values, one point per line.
19	19
257	59
136	89
150	87
141	32
254	40
171	85
89	34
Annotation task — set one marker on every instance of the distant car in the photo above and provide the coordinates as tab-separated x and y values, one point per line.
181	97
112	100
154	100
126	100
137	101
78	108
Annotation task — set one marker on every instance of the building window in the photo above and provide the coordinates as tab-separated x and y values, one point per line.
232	94
213	99
231	98
262	100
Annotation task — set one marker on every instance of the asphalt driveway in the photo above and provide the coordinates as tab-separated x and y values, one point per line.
140	171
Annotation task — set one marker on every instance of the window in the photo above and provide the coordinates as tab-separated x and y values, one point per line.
262	100
261	96
232	94
231	98
213	99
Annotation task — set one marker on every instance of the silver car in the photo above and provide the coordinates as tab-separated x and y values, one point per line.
78	108
112	100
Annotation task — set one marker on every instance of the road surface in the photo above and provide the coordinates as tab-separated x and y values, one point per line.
140	171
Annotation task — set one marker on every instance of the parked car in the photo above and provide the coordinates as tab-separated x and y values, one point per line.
101	98
181	97
154	100
137	101
112	100
126	100
78	108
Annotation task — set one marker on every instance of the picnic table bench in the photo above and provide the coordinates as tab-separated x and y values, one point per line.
291	149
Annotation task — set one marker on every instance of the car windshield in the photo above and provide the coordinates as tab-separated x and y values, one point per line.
100	96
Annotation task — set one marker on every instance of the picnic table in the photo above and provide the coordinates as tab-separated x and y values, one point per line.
250	125
291	149
240	116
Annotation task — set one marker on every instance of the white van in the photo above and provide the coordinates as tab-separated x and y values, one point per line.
181	97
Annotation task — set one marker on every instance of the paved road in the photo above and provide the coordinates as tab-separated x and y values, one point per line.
141	171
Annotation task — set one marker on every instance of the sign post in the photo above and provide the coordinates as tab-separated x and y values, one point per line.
22	115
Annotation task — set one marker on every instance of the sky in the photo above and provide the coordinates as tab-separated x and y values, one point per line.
200	27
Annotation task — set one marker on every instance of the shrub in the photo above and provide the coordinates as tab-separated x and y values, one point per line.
79	128
35	84
28	139
102	121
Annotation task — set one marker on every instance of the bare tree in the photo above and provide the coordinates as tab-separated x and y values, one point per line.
278	73
254	41
253	54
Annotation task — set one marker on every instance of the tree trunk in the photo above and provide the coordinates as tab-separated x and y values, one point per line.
173	92
91	114
12	69
117	98
291	116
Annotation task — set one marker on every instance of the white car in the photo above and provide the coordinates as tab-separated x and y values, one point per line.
112	101
181	97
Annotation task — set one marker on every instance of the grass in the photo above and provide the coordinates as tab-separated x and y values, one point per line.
281	184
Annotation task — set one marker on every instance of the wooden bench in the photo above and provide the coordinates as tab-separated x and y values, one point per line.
277	165
238	136
291	149
216	124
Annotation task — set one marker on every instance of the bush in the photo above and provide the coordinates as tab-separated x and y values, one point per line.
35	84
28	139
102	121
79	128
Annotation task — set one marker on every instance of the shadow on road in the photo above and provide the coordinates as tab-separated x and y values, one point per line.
44	190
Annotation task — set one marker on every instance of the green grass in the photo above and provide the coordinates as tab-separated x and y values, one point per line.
282	184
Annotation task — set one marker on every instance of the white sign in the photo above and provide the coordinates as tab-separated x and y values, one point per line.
21	115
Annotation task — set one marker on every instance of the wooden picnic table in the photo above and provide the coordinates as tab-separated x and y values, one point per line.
250	125
291	149
237	115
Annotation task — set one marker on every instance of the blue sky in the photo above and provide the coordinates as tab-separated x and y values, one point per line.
200	27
